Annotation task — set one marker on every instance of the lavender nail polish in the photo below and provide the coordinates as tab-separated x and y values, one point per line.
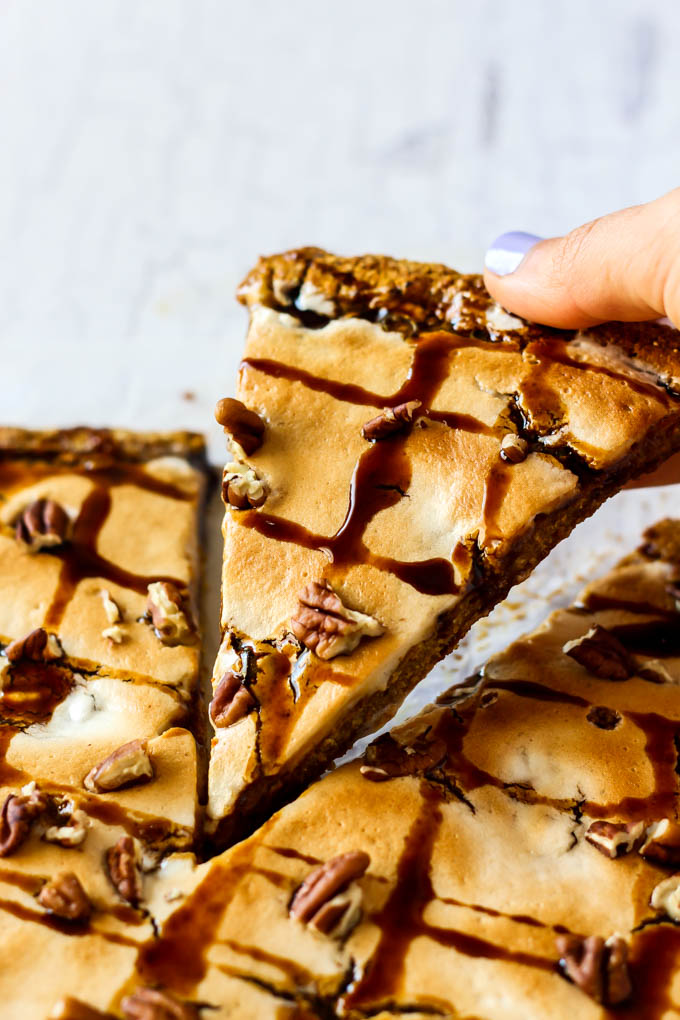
508	251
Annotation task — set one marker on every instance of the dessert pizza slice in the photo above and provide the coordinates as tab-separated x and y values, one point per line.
99	666
403	452
512	852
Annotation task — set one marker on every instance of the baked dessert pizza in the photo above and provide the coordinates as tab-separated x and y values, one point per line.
513	852
99	664
403	451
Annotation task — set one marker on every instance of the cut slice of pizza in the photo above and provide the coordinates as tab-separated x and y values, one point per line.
403	452
99	669
513	851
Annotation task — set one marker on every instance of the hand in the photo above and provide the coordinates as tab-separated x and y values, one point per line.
624	266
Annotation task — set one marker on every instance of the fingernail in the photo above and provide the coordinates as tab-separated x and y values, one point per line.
507	251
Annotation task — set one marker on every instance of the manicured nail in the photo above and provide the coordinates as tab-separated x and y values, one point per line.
508	251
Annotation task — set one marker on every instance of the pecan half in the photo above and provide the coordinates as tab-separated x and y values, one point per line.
242	488
326	626
39	646
614	839
165	606
121	863
231	701
666	897
18	814
391	420
386	758
602	654
43	524
243	425
328	901
65	897
662	541
154	1004
598	968
514	449
662	843
128	764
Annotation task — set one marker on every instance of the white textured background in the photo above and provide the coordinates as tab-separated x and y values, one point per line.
150	149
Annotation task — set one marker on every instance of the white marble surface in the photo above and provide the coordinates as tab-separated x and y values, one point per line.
152	148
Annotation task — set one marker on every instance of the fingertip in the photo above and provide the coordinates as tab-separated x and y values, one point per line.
508	251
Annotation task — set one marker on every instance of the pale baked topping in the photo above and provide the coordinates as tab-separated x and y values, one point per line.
126	765
165	606
326	626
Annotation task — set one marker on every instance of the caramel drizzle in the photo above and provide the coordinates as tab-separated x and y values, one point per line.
401	919
382	475
80	559
655	953
64	927
660	733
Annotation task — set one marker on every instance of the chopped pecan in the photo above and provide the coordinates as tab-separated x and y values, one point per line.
326	626
241	487
614	839
43	524
243	425
514	449
165	606
128	764
39	646
154	1004
71	833
328	901
604	718
231	701
386	758
662	843
662	541
121	862
65	897
391	420
602	654
666	897
18	814
598	968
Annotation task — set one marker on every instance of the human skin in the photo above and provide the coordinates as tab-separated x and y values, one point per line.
623	266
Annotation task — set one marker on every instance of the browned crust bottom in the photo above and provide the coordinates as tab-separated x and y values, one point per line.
82	443
268	794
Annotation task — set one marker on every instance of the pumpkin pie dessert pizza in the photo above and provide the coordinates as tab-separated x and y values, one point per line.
402	452
511	853
99	662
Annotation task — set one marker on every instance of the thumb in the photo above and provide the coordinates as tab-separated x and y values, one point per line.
624	266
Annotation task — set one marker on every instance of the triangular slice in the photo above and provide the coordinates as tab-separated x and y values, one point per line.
404	451
512	852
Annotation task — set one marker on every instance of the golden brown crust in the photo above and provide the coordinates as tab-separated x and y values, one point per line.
81	443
